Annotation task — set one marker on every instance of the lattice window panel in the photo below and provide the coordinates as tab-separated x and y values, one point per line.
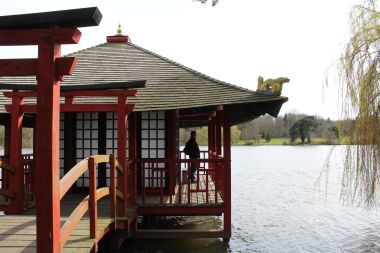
87	137
153	145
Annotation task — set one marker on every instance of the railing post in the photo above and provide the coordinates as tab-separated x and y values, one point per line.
188	182
113	186
92	200
227	175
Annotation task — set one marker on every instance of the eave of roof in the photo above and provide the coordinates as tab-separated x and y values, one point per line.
170	85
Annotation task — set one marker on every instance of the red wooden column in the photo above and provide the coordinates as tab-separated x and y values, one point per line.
209	133
218	133
121	149
7	148
132	148
172	118
47	160
16	181
212	135
227	175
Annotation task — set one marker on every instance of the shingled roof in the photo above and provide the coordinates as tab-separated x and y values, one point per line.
170	85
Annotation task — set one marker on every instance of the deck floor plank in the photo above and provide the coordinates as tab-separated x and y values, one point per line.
18	232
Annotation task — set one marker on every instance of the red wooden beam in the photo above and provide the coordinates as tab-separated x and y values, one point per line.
183	210
99	93
19	37
65	66
18	67
78	93
177	233
28	67
77	108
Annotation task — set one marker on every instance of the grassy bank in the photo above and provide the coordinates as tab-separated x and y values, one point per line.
286	141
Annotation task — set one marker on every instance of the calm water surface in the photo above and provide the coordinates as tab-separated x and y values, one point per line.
276	208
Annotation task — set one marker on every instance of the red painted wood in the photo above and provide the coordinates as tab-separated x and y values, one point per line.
15	159
18	67
212	146
28	67
218	133
100	93
7	149
177	210
65	66
227	174
118	39
93	209
47	159
113	186
171	148
209	136
121	149
19	37
79	93
76	108
132	141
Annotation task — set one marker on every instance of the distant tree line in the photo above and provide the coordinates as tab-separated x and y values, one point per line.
27	137
296	127
292	126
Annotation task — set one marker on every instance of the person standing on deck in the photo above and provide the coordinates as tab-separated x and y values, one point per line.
192	150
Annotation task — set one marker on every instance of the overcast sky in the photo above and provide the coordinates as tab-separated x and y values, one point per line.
235	41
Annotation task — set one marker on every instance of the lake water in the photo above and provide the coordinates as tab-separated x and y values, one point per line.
275	208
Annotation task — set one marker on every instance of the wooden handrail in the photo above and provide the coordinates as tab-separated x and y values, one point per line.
7	193
72	176
78	213
119	167
7	167
89	203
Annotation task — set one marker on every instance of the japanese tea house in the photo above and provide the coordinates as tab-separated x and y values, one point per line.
109	131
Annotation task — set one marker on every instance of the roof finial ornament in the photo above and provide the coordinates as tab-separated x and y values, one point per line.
119	31
119	37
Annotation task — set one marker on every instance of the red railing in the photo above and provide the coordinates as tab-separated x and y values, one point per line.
90	202
160	176
5	192
28	180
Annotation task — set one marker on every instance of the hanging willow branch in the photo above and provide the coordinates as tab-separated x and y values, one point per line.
360	90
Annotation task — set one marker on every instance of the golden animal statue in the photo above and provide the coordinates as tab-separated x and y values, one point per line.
270	86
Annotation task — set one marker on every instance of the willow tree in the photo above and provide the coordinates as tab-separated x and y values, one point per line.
360	94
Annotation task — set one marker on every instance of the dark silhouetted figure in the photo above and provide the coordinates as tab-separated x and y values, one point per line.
192	150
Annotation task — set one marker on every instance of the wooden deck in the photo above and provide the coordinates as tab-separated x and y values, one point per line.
198	195
18	232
